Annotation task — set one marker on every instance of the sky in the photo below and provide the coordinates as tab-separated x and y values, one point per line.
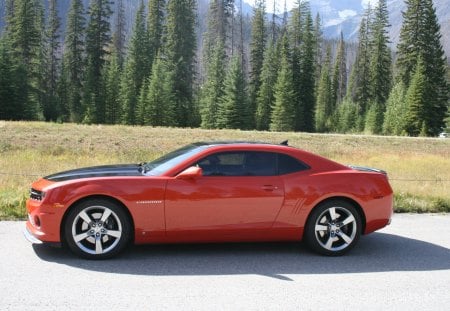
291	3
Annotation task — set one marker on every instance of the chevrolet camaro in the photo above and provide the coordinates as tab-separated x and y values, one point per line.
211	192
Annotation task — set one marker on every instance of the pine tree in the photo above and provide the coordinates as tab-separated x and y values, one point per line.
420	38
266	100
324	96
74	60
97	40
25	32
257	47
305	88
112	90
340	73
380	62
51	109
119	35
233	110
158	97
347	117
179	51
137	68
417	97
213	88
10	106
396	109
155	27
283	111
359	85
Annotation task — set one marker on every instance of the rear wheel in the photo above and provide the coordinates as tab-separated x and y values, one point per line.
333	228
97	229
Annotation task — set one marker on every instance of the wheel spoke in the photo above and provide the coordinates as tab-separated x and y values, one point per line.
348	220
114	233
345	237
329	243
81	236
98	245
85	217
106	214
321	228
332	211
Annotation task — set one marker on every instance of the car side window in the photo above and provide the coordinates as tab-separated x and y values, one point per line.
288	164
250	163
223	164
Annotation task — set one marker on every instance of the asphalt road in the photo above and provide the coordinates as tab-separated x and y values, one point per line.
404	266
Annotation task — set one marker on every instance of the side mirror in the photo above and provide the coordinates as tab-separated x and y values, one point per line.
192	172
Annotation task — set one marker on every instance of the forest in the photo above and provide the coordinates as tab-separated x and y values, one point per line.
284	77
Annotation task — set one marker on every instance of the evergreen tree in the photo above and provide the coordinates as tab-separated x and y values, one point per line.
396	110
112	90
119	35
380	62
233	110
158	104
257	46
155	27
137	68
340	73
417	97
74	59
374	118
283	111
306	82
213	88
359	86
420	38
179	51
347	117
51	109
266	100
97	40
25	34
324	96
10	106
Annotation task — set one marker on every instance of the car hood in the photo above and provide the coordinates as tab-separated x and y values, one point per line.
97	171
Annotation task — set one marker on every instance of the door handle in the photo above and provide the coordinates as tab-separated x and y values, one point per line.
269	187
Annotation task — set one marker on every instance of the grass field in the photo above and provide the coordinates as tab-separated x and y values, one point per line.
419	168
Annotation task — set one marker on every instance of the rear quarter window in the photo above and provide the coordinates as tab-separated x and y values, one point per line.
288	165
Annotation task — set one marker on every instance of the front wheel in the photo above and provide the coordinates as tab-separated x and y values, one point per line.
97	229
333	228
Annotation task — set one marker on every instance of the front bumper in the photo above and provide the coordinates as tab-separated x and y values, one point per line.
30	237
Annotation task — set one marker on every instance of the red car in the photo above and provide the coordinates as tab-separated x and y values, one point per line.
211	192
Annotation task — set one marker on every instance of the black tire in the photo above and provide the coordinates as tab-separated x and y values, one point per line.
333	228
97	229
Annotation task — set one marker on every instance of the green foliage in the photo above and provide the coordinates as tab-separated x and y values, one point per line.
374	118
179	51
283	111
233	109
155	27
324	104
137	68
347	117
9	88
417	99
112	90
213	88
257	47
339	85
73	62
266	99
97	41
396	108
420	38
157	101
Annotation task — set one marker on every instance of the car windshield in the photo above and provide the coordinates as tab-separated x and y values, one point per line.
170	160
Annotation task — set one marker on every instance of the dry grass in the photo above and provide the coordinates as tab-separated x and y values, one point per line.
419	168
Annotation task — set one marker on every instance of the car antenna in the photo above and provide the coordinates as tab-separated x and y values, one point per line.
284	143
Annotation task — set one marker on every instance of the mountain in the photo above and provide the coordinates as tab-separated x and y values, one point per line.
336	15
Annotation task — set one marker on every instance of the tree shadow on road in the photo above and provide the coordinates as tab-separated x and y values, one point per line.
378	252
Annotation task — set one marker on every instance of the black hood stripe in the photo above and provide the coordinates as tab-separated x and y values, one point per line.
97	171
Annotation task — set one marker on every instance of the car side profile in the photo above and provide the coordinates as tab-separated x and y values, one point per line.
211	192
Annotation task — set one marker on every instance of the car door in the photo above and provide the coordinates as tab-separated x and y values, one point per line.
238	194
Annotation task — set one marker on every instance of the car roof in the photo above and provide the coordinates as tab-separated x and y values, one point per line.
237	142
